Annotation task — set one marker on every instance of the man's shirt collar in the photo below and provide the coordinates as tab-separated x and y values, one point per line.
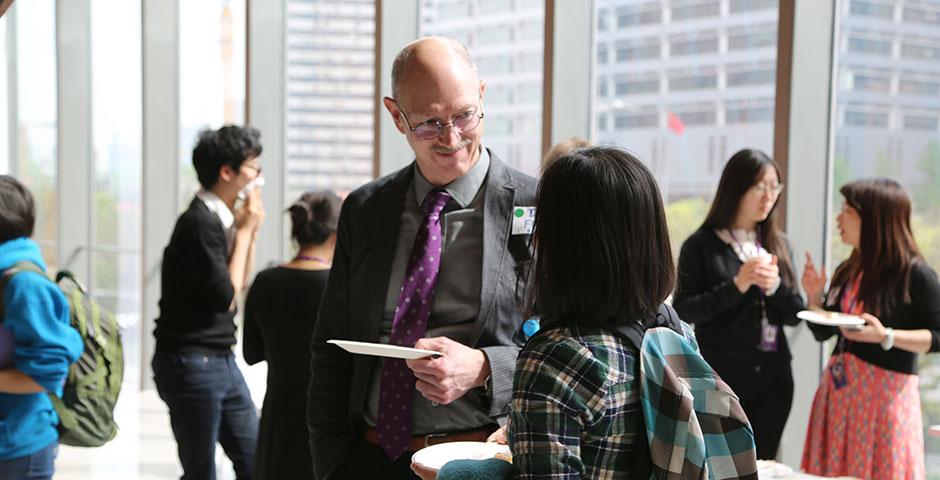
464	189
217	206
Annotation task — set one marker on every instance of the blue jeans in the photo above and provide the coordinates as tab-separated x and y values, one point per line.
209	402
38	466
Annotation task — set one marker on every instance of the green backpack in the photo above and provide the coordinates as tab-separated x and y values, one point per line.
86	408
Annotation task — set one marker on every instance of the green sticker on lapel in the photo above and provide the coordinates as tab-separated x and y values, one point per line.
519	212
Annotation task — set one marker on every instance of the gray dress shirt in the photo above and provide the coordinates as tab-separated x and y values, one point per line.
457	301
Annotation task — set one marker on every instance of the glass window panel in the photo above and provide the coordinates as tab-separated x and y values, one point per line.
894	133
499	126
508	50
602	53
116	122
749	111
741	6
740	74
636	84
499	95
748	37
494	34
644	13
37	117
921	122
930	88
329	94
866	118
643	118
872	83
487	6
920	49
603	20
872	45
693	43
694	9
497	64
212	76
693	79
656	108
925	14
696	114
453	9
4	101
116	109
116	287
871	9
636	49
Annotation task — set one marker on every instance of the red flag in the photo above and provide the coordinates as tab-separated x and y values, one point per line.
674	123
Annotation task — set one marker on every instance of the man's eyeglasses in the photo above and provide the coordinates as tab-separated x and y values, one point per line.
431	129
256	168
762	188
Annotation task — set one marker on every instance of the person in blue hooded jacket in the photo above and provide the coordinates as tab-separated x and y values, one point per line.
37	345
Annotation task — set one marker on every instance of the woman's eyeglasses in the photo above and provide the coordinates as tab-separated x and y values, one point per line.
763	188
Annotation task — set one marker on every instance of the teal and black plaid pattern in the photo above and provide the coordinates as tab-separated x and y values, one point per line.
695	424
575	410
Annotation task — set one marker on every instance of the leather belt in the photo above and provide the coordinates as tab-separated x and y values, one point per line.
418	442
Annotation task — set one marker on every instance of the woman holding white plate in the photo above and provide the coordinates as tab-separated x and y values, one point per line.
866	417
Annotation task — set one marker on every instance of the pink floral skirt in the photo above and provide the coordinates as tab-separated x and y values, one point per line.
871	428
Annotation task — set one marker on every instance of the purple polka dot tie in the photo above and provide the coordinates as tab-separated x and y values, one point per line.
409	323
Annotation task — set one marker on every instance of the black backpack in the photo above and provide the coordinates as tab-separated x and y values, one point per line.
633	333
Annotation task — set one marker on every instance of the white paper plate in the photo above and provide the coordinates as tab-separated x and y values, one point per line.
831	319
772	469
435	456
383	350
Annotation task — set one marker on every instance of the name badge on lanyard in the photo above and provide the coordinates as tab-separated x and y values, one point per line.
768	332
837	372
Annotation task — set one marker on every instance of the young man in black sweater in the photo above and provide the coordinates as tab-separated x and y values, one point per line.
206	264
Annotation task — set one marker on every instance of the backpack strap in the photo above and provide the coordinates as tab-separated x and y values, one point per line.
633	333
22	266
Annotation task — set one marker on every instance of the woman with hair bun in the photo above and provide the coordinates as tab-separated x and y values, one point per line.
280	314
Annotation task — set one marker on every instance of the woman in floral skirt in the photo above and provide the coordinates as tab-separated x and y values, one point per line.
866	418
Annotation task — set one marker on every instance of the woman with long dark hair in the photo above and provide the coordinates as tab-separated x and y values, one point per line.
602	260
280	314
866	418
736	284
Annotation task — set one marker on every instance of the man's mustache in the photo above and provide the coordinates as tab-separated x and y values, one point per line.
446	151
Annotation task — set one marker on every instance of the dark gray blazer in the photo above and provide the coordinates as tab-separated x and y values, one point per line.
355	295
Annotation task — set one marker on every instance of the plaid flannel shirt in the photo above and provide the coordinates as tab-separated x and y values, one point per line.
575	410
695	423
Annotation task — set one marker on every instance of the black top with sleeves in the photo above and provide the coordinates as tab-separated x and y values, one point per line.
727	322
197	291
922	312
280	314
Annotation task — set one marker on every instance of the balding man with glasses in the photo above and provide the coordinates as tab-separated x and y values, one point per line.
426	257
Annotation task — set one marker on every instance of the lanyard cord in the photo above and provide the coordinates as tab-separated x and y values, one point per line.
760	292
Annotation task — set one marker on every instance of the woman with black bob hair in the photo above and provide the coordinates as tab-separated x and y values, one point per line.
736	285
602	260
866	419
280	314
37	343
